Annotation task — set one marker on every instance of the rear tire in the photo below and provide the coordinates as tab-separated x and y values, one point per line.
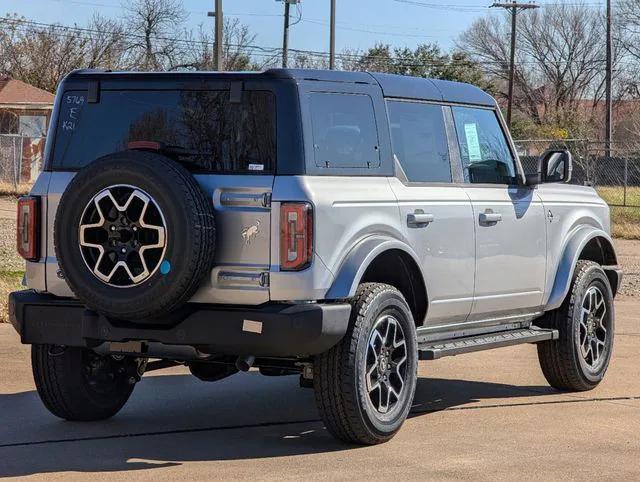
364	385
77	384
578	360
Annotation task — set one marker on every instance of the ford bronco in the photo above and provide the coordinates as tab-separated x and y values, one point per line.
337	226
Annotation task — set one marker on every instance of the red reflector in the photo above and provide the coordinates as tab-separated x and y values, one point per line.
28	223
296	236
144	145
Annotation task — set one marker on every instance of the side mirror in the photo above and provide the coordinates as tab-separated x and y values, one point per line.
555	165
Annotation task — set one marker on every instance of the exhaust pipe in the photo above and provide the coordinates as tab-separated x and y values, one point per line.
245	362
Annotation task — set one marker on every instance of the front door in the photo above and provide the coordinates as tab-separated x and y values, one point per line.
436	214
510	250
509	220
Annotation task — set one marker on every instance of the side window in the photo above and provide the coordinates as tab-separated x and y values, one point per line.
419	141
486	157
344	130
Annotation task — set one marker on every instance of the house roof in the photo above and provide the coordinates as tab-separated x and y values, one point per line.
16	92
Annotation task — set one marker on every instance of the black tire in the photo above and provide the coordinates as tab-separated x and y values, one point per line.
72	391
340	375
562	361
190	236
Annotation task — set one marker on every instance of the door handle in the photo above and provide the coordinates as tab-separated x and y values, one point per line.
418	220
490	218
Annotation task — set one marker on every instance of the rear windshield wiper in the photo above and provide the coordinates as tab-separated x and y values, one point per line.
168	149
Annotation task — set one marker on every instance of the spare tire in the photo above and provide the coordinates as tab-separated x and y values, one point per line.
134	236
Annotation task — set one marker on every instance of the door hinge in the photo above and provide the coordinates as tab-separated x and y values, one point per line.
266	199
264	279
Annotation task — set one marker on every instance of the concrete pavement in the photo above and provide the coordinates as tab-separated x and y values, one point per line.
481	416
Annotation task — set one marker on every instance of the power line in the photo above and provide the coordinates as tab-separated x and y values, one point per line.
446	7
392	34
256	50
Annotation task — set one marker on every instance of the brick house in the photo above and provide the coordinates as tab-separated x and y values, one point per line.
25	112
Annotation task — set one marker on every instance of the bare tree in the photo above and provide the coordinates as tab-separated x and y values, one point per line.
303	60
628	16
41	55
106	45
628	36
559	60
156	40
236	49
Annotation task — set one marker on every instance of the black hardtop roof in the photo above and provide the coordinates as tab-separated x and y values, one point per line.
392	85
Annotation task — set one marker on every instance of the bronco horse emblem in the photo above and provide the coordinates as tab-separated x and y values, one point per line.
250	232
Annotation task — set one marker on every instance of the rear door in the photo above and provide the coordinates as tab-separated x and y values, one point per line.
435	213
228	141
509	220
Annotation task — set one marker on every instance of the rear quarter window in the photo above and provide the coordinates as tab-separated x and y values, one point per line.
215	134
344	130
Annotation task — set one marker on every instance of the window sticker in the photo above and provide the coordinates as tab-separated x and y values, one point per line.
473	142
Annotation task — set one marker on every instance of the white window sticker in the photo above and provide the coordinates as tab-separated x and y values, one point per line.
256	167
473	142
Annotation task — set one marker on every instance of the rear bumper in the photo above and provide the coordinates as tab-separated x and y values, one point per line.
270	330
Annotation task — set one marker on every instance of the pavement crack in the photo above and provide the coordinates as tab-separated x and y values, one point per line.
526	404
311	420
159	432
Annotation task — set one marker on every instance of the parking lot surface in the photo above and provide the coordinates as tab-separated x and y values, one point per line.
485	416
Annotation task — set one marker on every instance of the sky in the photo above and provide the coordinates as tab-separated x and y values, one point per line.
360	23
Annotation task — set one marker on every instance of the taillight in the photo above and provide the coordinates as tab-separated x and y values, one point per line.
296	236
28	224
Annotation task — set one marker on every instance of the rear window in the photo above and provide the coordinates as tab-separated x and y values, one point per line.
213	133
344	130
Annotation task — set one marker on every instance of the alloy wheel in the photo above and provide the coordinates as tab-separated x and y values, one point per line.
593	328
385	364
122	236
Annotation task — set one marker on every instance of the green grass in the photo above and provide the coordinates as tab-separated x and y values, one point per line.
10	280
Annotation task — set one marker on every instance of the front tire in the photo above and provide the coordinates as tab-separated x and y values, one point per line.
578	360
77	384
364	385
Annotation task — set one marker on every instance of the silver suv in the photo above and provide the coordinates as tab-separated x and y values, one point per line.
338	226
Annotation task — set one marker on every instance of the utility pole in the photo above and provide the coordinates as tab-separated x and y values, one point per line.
609	102
332	36
514	7
285	35
217	40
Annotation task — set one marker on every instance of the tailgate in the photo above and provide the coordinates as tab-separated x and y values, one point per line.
242	206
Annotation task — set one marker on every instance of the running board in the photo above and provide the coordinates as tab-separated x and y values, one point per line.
440	349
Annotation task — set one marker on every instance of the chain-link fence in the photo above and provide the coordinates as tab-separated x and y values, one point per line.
20	159
614	172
